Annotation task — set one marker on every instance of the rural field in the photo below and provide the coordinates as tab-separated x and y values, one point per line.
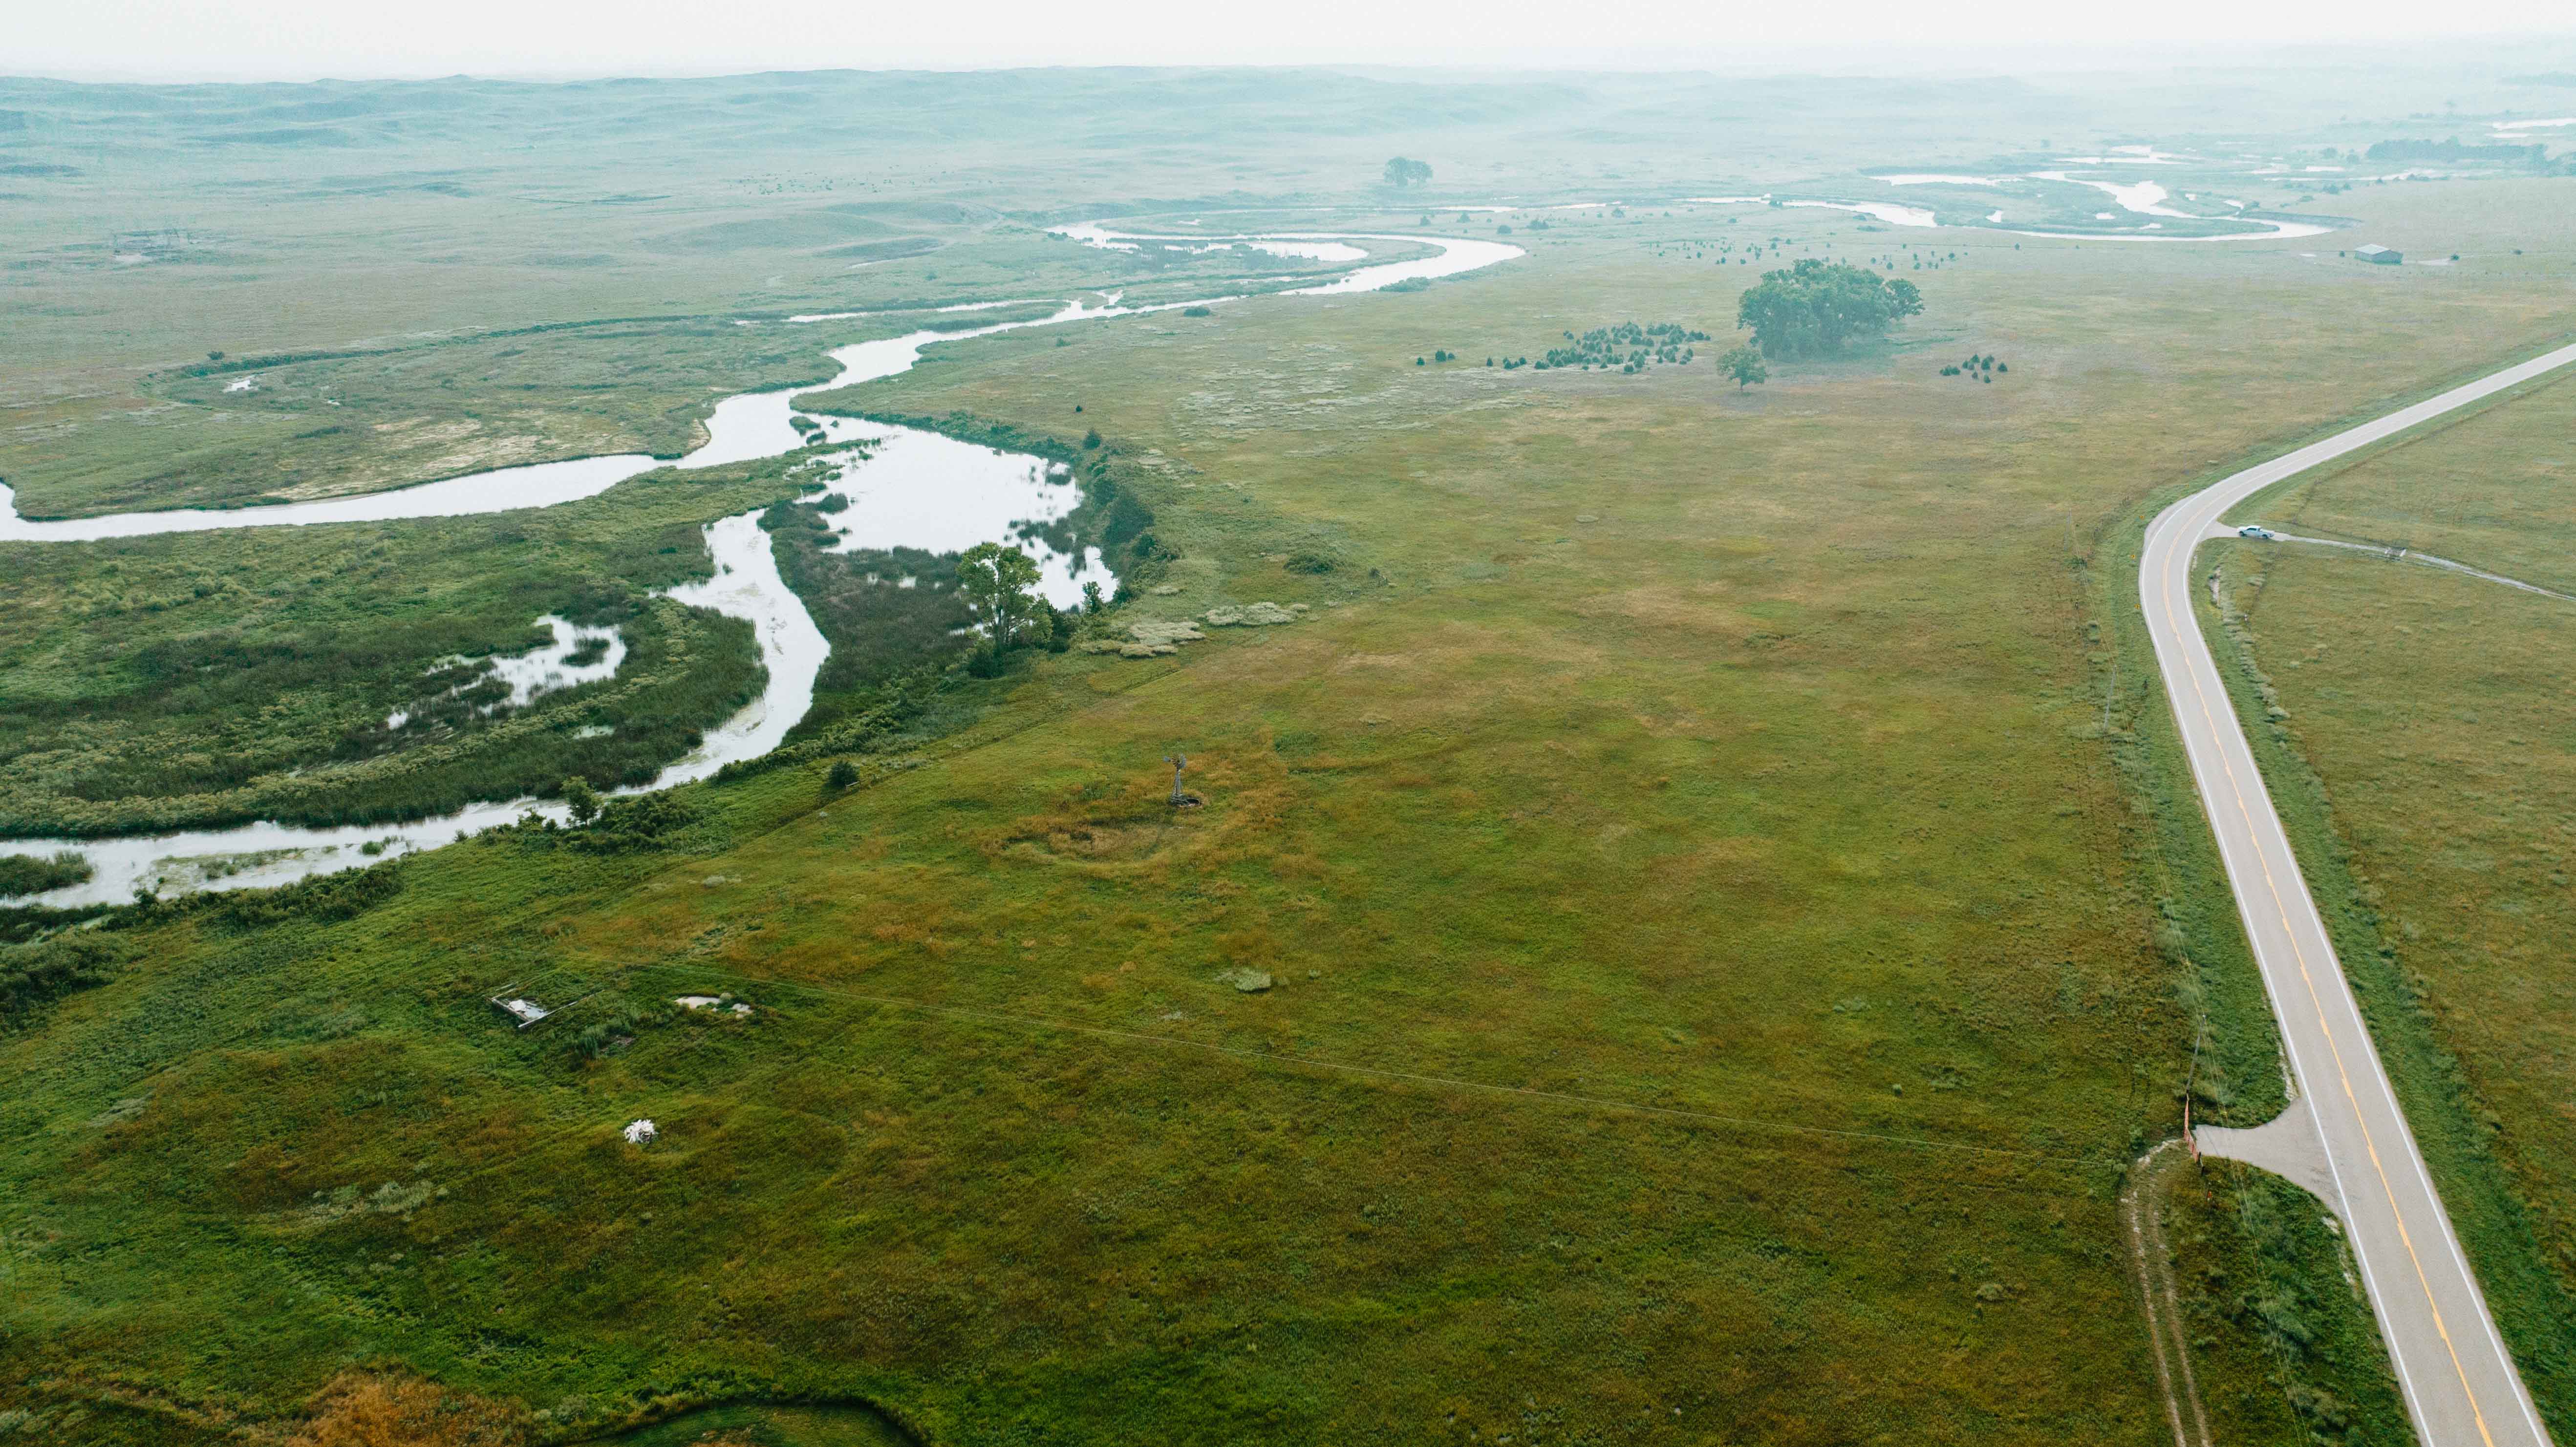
1692	912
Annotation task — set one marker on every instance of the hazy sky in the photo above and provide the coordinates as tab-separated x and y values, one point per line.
303	39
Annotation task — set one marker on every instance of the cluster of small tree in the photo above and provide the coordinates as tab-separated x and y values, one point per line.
1438	357
1625	348
1817	307
614	826
1982	368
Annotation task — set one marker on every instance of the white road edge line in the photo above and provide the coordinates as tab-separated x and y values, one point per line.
2443	1409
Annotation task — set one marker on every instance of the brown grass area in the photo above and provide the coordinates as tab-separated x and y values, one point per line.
360	1409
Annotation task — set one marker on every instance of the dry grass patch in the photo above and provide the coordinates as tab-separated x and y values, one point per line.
365	1409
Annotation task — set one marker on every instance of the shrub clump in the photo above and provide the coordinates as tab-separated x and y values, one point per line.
637	821
1626	347
893	706
323	898
24	874
44	970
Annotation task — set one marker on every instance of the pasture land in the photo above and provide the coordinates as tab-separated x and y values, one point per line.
1723	951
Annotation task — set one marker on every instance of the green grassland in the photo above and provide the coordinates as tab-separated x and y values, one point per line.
1722	963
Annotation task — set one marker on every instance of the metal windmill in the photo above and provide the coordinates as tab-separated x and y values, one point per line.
1178	761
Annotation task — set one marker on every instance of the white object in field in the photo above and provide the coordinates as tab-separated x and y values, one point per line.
641	1133
526	1012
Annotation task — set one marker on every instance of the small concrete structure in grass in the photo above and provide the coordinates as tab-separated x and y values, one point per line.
525	1012
2379	254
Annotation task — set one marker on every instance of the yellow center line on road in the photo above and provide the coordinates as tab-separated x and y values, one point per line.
2317	1002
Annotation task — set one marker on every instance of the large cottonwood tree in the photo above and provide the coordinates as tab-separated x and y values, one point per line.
1816	307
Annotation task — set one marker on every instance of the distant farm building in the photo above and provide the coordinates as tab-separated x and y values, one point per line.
2381	255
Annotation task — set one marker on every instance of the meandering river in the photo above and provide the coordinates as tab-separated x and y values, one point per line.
906	488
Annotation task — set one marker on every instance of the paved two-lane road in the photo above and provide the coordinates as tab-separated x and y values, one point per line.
2461	1384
